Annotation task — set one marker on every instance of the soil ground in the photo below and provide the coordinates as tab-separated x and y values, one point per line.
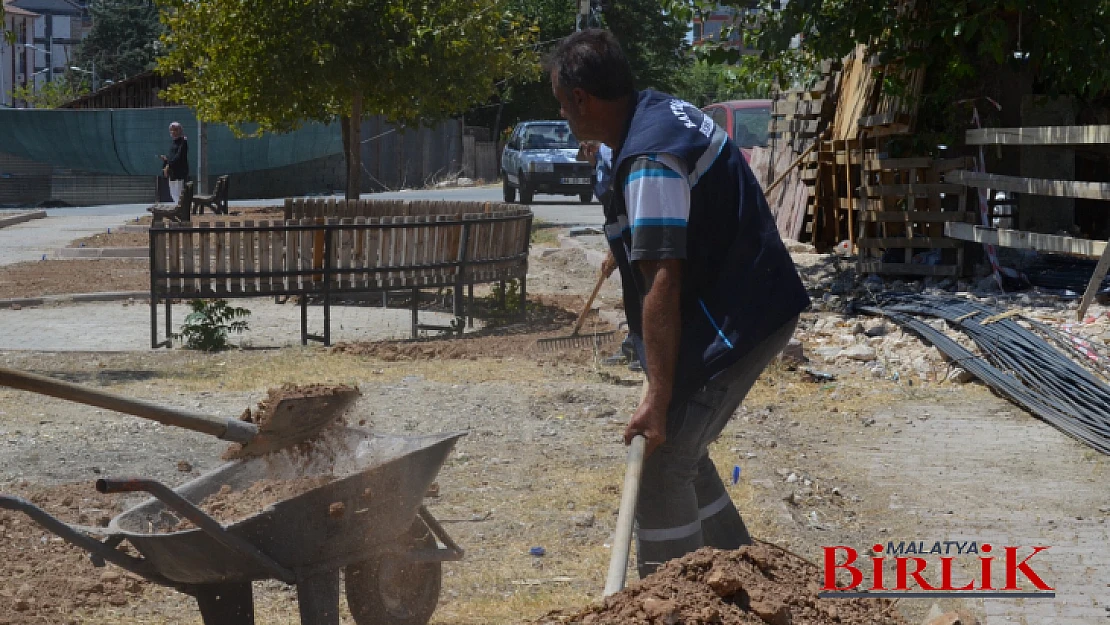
850	459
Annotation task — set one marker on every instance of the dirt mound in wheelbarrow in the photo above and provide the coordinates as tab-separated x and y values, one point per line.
44	580
229	506
756	585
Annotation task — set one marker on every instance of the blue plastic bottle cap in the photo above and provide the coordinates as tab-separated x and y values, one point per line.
735	474
537	551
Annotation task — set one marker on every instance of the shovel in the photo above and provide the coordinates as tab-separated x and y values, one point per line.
622	536
291	421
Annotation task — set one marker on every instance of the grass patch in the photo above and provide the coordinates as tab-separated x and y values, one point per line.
545	234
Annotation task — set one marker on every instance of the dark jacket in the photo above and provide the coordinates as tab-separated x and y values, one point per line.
739	283
178	159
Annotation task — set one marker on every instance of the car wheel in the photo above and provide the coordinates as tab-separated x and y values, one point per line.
586	196
507	190
526	192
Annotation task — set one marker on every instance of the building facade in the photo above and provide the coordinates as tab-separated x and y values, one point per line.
17	59
55	29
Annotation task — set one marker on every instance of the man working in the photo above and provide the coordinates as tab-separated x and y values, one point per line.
176	165
713	295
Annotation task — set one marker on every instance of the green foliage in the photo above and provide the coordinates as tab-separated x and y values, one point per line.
510	295
123	41
653	38
279	64
207	327
962	44
707	82
51	95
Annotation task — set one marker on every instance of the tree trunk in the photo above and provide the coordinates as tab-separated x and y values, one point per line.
345	131
354	150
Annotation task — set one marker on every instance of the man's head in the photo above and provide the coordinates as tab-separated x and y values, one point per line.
176	130
591	78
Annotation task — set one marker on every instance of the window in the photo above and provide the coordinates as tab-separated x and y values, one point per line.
549	137
749	127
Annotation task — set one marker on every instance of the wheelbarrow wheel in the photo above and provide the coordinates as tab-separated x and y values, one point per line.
391	589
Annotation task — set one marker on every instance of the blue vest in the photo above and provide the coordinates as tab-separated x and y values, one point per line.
739	283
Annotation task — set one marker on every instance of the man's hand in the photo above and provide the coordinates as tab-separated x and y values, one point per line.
649	421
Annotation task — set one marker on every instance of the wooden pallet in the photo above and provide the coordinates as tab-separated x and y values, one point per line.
902	209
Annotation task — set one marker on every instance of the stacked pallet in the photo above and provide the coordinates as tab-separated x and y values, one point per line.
905	208
799	118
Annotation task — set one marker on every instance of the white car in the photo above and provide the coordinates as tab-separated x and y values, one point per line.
540	157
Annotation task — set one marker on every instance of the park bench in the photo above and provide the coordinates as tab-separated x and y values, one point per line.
216	201
178	213
430	245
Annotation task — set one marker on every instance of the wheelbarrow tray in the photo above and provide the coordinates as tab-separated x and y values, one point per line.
381	484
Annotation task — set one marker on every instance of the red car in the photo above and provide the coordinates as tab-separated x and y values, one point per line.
746	121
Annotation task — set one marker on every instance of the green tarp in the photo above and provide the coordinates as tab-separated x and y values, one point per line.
127	142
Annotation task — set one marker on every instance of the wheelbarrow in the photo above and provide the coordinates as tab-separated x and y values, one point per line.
368	522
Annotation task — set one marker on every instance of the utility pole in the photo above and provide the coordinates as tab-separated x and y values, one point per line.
202	157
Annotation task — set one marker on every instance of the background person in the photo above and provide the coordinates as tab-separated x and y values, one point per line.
176	165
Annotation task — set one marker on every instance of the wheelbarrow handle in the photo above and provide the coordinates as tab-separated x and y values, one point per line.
207	524
222	427
96	548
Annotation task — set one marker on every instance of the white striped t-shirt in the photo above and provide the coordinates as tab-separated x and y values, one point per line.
657	198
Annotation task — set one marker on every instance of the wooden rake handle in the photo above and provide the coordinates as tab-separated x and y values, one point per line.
589	303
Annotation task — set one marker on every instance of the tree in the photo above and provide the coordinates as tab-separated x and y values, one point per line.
654	39
50	95
1060	46
706	82
123	41
278	64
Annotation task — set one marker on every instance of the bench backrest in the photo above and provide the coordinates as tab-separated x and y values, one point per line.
366	254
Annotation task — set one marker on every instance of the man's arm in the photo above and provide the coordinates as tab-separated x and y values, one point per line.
662	329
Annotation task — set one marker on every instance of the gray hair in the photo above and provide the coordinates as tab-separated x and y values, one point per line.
175	126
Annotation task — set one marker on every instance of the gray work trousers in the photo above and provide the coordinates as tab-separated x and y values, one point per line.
683	503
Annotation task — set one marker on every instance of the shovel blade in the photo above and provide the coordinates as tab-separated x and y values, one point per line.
294	420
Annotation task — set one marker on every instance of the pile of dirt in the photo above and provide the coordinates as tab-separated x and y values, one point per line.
44	580
229	506
755	585
62	277
263	414
113	239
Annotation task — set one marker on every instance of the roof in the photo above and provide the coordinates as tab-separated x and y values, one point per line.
51	7
743	104
11	9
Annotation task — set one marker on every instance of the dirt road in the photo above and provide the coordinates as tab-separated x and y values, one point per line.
861	459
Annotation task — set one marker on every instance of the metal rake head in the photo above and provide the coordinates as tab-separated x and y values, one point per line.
576	341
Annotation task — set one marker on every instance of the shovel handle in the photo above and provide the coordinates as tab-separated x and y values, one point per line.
589	303
220	427
622	538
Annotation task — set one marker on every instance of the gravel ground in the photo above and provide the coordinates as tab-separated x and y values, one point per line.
852	459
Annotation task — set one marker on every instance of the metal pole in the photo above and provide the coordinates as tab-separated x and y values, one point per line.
202	157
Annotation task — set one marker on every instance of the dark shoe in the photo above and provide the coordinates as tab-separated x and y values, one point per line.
614	360
634	365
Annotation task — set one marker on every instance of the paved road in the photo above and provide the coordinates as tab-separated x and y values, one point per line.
556	209
33	239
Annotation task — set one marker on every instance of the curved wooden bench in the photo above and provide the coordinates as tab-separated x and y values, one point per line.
327	256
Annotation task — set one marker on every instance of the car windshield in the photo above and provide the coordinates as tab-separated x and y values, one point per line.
549	137
749	127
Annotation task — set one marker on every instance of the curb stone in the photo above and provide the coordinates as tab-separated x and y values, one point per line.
107	296
19	218
102	252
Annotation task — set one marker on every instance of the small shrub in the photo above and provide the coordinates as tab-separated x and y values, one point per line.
207	327
510	295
